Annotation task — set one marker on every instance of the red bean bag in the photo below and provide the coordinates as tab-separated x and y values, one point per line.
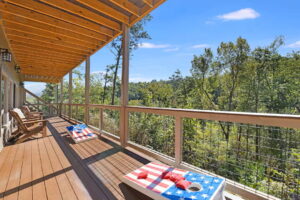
183	184
142	175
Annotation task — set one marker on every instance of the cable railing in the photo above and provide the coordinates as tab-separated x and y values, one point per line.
258	154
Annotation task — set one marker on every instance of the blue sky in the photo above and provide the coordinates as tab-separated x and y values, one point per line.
181	29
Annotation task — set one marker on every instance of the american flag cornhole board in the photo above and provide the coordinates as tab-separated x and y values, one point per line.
80	133
162	189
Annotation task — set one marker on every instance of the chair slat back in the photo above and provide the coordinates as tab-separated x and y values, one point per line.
16	116
25	110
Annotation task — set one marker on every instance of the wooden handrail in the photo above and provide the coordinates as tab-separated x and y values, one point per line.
40	99
264	119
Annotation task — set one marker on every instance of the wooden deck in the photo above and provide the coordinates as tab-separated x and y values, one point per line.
55	168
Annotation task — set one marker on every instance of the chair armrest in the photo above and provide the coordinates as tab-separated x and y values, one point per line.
32	113
35	121
32	119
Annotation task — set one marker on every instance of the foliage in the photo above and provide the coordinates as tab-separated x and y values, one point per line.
234	78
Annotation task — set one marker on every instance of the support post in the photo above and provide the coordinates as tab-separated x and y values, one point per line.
56	98
23	96
87	89
178	140
1	100
101	125
124	121
70	93
61	96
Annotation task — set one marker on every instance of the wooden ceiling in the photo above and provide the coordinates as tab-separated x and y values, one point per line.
48	38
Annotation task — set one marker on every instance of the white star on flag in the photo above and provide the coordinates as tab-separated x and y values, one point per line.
193	179
179	192
168	193
211	187
206	182
204	195
181	198
193	197
217	181
202	177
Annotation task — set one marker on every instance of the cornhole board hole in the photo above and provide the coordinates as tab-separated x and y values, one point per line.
81	133
203	187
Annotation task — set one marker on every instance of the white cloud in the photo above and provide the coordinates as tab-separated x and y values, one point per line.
147	45
200	46
171	49
294	45
246	13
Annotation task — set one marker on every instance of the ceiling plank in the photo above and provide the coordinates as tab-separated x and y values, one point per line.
145	11
37	69
11	32
148	3
17	39
41	52
46	65
32	15
83	12
20	53
30	59
38	73
61	15
106	10
127	5
51	32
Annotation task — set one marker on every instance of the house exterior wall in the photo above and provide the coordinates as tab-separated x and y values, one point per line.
11	92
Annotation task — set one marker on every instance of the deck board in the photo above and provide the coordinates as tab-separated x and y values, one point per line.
55	168
25	189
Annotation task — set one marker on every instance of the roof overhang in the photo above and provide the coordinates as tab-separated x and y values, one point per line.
48	38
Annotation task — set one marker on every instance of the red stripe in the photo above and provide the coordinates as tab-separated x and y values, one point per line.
155	182
142	184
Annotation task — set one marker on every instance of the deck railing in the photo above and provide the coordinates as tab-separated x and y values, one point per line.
258	154
40	105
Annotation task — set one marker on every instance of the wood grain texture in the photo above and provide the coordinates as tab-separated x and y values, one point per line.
55	168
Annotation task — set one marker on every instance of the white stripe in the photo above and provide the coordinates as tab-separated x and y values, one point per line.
151	170
157	187
165	168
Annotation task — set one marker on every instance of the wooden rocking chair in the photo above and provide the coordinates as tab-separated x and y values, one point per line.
28	128
31	114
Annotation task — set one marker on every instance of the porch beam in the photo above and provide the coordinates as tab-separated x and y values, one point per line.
61	95
70	92
87	89
124	116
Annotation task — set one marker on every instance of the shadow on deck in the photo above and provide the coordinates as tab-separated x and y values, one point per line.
55	168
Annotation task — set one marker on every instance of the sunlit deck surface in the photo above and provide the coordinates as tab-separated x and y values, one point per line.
55	168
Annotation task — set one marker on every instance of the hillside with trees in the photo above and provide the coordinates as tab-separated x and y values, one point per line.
234	78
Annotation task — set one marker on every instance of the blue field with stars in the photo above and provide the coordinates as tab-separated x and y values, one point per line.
212	187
